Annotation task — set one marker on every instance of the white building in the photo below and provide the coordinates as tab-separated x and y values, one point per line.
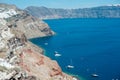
6	33
7	13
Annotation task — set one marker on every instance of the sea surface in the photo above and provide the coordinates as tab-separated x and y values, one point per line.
91	45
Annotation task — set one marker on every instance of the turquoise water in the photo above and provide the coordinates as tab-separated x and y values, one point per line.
93	45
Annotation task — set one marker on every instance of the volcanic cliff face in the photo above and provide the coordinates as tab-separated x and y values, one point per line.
111	11
31	26
19	58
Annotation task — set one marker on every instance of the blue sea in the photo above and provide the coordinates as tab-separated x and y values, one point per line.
93	46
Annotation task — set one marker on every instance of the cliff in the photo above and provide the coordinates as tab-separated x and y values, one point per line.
112	11
19	58
21	20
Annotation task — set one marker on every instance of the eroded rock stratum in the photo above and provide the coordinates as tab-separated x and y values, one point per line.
19	58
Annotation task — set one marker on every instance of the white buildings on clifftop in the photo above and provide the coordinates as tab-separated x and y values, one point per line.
5	13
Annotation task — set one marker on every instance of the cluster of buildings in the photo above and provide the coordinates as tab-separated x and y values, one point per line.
9	43
6	13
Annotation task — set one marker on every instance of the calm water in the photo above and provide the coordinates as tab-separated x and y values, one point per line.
93	45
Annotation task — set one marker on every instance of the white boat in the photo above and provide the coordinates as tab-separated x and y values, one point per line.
70	66
94	75
57	54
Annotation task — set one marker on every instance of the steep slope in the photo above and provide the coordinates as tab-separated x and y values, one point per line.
31	26
19	58
112	11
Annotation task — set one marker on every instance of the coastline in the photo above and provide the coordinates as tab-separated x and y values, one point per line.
73	75
76	76
105	28
75	18
47	54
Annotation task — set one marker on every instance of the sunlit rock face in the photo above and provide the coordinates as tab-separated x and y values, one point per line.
19	58
21	20
108	11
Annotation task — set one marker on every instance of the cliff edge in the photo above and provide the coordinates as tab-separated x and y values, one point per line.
21	20
111	11
19	58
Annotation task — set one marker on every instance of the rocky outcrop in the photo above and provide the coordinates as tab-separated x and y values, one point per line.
112	11
22	21
25	61
19	58
38	65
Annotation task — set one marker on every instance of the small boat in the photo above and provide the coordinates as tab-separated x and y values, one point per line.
94	75
57	54
70	66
